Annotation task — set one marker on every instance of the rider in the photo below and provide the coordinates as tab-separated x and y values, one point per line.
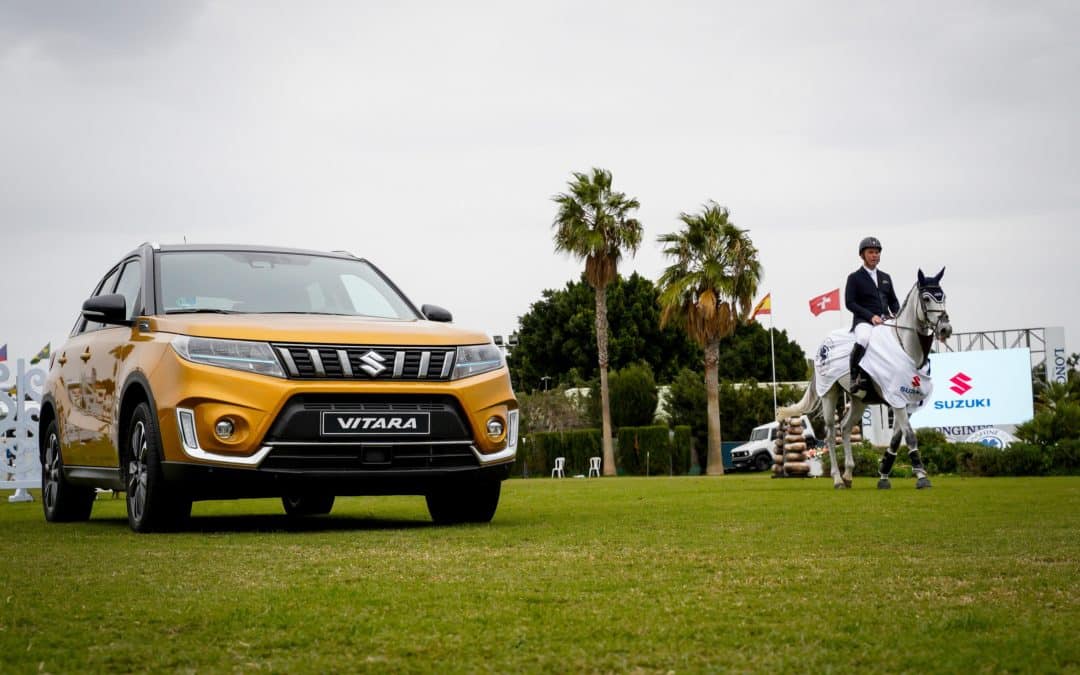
870	296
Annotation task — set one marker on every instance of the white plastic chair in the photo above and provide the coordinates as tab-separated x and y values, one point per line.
594	466
560	462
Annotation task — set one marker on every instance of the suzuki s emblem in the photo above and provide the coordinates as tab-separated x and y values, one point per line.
373	363
961	383
915	382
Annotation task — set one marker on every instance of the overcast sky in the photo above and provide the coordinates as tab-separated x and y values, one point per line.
430	138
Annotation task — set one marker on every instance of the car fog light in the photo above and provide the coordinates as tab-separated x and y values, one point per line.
224	428
494	427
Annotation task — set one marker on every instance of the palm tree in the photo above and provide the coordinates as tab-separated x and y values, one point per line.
594	223
710	287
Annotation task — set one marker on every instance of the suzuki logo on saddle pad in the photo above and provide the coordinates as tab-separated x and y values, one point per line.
961	383
358	424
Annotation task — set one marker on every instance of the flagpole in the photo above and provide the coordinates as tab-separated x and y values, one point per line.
772	351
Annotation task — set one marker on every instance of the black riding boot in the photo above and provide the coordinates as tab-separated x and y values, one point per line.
858	378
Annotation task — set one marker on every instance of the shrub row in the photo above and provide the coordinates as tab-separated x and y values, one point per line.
973	459
665	452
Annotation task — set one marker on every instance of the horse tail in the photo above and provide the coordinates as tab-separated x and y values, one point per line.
809	403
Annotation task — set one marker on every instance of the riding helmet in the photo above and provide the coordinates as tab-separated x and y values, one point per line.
869	242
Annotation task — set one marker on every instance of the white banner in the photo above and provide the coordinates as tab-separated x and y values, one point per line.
978	388
1057	369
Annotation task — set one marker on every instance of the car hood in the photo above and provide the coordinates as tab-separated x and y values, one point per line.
318	329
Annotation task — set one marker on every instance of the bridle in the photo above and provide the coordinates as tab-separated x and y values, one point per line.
928	325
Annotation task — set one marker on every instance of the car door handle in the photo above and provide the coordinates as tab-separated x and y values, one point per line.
85	356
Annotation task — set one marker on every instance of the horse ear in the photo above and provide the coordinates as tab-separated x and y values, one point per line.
939	275
922	277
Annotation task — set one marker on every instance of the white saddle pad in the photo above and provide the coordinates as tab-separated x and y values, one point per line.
901	384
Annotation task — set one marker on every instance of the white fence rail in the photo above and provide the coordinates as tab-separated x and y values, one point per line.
20	401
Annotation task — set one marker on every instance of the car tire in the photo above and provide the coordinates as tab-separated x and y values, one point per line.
307	505
472	503
61	501
152	504
763	462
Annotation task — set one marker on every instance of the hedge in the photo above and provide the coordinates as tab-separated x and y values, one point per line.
680	449
636	444
540	449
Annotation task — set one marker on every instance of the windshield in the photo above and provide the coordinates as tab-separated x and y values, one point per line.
760	434
267	282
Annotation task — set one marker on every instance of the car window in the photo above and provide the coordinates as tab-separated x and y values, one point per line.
104	288
273	282
128	286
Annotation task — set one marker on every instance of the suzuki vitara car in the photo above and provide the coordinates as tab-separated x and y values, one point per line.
221	372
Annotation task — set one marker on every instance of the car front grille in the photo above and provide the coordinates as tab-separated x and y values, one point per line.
316	362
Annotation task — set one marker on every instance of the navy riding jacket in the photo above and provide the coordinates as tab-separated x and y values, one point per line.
865	299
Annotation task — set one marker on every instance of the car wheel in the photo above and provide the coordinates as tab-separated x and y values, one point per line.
152	504
307	505
763	462
61	501
472	503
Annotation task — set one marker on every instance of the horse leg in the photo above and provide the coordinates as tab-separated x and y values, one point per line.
917	467
888	458
854	413
828	411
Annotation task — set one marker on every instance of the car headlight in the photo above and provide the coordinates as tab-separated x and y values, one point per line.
476	359
250	357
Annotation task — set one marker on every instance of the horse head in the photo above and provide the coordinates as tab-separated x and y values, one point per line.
932	317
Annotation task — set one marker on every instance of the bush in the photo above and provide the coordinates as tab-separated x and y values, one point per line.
633	396
866	456
549	411
638	444
680	450
539	450
938	454
1065	456
1025	459
580	445
686	405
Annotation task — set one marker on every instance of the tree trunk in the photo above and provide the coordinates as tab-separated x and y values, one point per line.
605	407
715	465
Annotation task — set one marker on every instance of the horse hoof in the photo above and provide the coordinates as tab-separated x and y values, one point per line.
922	483
884	484
839	486
847	483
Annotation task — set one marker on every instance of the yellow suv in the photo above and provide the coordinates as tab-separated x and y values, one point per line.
218	372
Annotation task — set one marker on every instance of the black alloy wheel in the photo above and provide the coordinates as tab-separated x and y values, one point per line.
61	501
152	504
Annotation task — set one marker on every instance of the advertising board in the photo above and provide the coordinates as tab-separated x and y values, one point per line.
991	387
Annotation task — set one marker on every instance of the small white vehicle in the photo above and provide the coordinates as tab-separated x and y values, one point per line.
757	453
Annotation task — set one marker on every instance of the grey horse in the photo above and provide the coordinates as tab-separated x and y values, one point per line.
921	318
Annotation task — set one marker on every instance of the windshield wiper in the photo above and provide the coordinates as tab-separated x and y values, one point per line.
202	310
315	313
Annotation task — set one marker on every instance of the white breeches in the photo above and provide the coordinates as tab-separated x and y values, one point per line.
862	333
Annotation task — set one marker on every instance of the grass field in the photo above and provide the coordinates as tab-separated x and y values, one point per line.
652	574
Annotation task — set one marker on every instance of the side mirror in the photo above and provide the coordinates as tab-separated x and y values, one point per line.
436	313
111	309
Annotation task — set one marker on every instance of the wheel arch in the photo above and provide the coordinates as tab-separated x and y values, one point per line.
136	390
46	415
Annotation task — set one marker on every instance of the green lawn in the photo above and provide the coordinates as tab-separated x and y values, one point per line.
652	574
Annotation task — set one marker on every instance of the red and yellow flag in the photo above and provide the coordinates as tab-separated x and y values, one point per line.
763	307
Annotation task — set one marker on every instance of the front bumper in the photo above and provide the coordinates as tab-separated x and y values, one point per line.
273	417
